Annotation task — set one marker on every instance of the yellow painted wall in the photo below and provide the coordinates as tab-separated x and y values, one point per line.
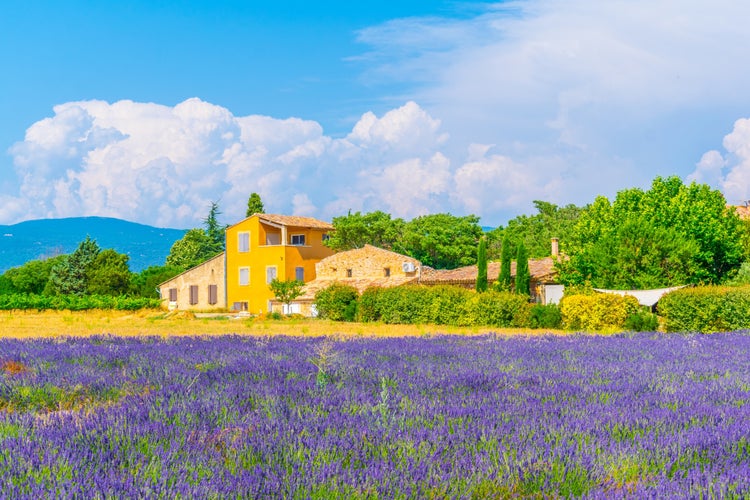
260	256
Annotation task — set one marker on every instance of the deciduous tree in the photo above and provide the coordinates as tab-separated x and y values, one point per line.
442	241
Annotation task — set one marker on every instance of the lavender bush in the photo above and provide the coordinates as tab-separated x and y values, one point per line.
646	416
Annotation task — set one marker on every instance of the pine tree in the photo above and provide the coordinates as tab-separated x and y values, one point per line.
523	277
254	205
71	275
482	265
214	230
503	280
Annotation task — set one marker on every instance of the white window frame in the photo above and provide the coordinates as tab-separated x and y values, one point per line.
239	275
275	273
298	236
243	241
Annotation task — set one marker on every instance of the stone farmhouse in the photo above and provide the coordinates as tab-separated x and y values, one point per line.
361	268
258	249
265	246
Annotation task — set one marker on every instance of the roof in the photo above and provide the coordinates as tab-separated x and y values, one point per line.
743	211
206	262
540	269
295	221
290	221
364	252
644	297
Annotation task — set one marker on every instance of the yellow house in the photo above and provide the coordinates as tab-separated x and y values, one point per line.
265	246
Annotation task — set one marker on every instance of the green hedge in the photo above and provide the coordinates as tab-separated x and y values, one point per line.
75	303
338	302
706	309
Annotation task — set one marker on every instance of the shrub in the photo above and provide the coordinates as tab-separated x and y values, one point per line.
368	308
596	312
446	304
75	302
545	316
642	320
338	302
500	309
706	309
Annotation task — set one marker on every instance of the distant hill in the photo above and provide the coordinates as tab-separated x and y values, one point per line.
39	239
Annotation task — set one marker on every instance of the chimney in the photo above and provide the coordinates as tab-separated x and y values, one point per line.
555	247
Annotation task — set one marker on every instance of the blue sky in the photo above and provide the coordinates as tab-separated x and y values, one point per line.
148	111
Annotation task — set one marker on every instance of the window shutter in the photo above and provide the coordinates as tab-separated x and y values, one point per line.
299	274
173	295
193	294
213	294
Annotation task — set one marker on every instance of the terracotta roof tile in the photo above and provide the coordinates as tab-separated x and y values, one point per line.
538	268
295	221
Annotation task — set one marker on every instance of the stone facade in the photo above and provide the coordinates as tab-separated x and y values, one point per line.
201	288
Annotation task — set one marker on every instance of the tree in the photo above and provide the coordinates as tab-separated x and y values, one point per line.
356	230
254	205
523	277
503	279
192	249
32	277
286	291
109	274
672	234
482	265
442	241
214	230
146	282
70	275
536	231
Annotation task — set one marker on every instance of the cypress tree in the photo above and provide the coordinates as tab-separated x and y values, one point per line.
523	277
503	280
482	265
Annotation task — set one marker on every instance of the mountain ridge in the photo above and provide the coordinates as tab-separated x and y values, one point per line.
43	238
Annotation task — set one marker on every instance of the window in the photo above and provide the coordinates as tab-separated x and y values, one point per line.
348	273
193	294
244	276
270	273
213	294
243	240
387	272
299	273
298	239
173	295
273	238
239	306
326	237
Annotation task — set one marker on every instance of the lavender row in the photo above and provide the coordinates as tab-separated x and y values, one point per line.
644	415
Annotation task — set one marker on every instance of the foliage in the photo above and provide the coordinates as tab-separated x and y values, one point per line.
482	265
191	250
545	316
536	231
500	309
600	311
146	283
337	302
33	276
706	309
286	291
355	230
75	302
109	274
254	205
443	305
672	234
742	277
214	230
441	241
504	279
523	276
643	320
70	275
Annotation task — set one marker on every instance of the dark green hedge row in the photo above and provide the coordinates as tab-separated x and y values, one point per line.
706	309
75	303
440	305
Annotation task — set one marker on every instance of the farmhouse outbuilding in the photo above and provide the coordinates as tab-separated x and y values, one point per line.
361	268
201	288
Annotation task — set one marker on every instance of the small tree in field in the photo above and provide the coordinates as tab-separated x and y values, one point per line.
482	265
286	291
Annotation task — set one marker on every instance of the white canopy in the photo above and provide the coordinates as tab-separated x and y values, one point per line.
644	297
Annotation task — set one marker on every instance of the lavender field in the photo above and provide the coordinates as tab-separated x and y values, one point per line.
642	416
